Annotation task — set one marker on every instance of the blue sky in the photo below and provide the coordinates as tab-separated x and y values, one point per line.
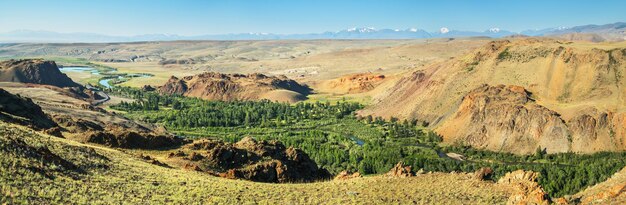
189	17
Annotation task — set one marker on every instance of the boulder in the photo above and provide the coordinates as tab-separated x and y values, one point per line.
55	131
400	171
345	175
148	88
192	167
484	173
176	154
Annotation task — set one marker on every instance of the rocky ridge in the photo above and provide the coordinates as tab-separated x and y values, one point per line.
507	118
226	87
24	111
36	71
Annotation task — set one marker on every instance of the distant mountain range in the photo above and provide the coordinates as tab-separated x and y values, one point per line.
611	32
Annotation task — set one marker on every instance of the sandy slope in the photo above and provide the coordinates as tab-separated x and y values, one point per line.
581	81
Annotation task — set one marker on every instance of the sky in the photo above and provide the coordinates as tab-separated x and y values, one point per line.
198	17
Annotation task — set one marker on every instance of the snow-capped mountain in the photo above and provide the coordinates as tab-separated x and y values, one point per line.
494	30
614	31
362	30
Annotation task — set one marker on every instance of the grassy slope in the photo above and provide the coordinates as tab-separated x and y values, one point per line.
121	178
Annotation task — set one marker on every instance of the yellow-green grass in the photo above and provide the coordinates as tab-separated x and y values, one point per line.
131	180
161	74
84	77
334	98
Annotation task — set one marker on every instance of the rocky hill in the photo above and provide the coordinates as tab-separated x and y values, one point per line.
23	111
505	118
580	84
218	86
36	71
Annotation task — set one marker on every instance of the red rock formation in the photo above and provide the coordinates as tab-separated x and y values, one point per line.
505	118
356	83
217	86
565	79
611	191
174	86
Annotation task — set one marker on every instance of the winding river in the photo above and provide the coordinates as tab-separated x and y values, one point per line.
106	79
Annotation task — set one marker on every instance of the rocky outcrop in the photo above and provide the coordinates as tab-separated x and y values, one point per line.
21	110
259	161
124	134
355	83
505	118
345	175
611	191
36	71
151	160
527	189
593	131
400	171
148	88
226	87
76	125
132	139
615	193
484	173
174	86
